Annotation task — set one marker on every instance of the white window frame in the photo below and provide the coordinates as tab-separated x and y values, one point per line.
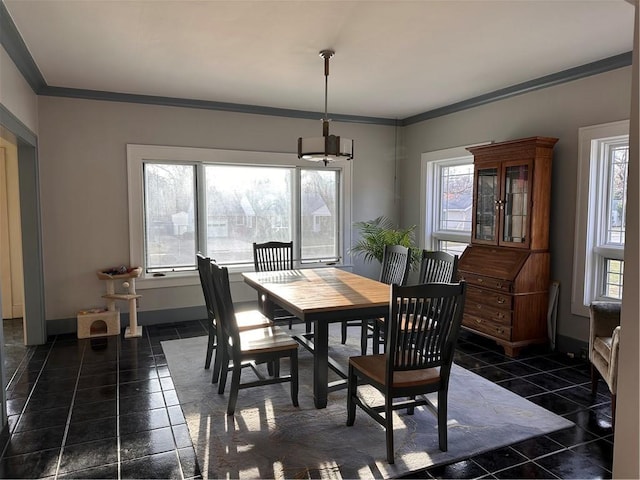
587	252
430	196
138	154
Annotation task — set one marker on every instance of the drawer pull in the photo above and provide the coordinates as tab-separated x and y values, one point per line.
478	320
500	330
499	285
500	316
478	306
501	300
479	280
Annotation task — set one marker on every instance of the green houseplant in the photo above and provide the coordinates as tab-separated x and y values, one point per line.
375	234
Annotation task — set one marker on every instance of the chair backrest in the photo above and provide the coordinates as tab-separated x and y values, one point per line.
396	261
440	267
223	306
204	270
271	256
423	328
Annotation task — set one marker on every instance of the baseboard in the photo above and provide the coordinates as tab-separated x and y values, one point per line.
63	326
572	346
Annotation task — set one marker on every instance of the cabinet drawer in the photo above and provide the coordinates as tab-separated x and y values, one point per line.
493	298
497	315
487	282
486	326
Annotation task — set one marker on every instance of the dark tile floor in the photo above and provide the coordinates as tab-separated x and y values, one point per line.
107	408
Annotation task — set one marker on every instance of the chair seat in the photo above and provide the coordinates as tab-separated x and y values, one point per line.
374	367
250	319
269	339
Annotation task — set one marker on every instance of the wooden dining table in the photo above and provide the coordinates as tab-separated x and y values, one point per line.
322	296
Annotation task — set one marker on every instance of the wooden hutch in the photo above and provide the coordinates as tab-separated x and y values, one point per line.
506	267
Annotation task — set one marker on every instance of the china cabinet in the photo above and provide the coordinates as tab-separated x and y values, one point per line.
507	264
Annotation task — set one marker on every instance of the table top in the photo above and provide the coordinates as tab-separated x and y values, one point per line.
318	290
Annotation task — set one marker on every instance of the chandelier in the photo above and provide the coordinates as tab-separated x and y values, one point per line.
326	148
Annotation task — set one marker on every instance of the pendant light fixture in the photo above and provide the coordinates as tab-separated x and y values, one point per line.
327	148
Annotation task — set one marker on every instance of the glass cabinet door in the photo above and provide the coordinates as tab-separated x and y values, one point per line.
515	204
487	191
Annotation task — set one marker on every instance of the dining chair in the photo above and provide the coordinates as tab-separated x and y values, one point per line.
246	321
396	263
438	266
424	323
269	257
435	267
249	347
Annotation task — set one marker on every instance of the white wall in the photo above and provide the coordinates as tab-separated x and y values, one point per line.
553	112
626	461
16	94
83	183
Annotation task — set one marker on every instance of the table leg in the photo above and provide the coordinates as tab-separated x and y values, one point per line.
320	363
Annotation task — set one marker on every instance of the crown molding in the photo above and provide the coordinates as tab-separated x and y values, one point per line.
14	45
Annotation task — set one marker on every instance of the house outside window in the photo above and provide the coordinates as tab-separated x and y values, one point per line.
600	217
186	200
447	199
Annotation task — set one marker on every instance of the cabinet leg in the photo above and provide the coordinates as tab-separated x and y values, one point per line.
510	351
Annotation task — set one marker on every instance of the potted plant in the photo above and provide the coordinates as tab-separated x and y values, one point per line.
375	234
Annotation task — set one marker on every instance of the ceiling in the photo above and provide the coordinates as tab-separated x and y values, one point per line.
394	59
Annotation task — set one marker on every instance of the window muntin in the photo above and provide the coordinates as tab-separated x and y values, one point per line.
600	216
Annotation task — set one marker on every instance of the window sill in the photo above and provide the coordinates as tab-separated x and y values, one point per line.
187	279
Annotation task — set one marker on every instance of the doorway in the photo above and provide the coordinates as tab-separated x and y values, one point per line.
11	269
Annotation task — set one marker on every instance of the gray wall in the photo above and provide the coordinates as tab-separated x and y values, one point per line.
83	182
554	112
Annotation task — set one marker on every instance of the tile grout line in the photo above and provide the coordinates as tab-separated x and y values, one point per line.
24	407
68	422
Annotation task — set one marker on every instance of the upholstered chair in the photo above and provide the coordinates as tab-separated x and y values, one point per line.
604	340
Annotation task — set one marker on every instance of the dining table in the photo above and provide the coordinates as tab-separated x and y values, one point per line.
322	296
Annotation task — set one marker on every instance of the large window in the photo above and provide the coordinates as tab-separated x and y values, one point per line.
185	200
601	212
447	199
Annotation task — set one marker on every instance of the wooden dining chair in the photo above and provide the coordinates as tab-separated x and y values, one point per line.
424	323
270	257
240	349
396	263
246	321
438	266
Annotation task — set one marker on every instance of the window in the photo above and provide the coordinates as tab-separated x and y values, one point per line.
185	200
601	212
447	199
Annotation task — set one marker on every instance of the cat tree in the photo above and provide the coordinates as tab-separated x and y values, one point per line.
99	322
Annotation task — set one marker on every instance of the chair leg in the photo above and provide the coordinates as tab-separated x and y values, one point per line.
388	420
343	329
294	376
352	387
211	344
376	337
308	326
224	369
275	367
594	380
364	336
235	386
442	419
217	363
